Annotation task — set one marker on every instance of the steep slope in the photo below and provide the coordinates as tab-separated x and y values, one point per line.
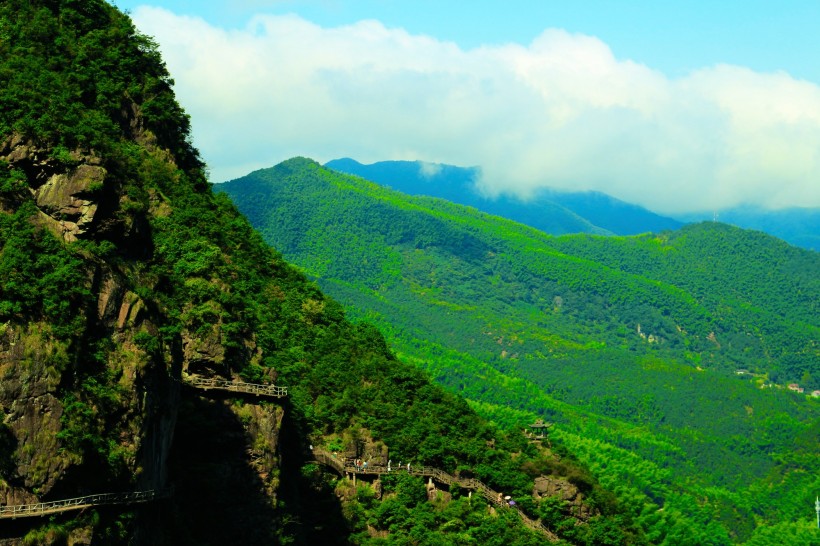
632	345
123	278
552	211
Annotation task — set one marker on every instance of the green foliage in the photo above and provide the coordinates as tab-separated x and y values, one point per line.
92	83
629	344
12	181
41	276
47	534
78	77
75	73
405	517
147	342
89	424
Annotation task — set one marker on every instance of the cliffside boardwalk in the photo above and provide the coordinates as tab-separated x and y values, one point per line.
78	503
345	466
202	383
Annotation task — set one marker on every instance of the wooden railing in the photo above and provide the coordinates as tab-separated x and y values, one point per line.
77	503
203	383
346	466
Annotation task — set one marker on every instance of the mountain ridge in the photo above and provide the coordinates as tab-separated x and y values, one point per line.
576	212
797	226
552	211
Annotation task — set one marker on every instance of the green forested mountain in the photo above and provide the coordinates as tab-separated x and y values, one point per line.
122	275
662	359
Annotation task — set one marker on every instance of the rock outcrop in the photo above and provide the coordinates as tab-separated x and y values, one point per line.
68	198
31	413
550	486
66	189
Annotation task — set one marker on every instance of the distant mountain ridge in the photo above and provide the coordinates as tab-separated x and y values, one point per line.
552	211
795	225
560	212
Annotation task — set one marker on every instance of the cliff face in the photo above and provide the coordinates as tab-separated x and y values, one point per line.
96	322
77	202
90	410
94	409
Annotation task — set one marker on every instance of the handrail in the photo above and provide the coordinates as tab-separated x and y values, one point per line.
53	507
346	465
274	391
327	459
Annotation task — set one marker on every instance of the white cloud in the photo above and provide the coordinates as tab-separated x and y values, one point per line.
560	112
429	170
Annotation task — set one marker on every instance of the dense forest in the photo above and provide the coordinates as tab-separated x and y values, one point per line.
120	270
662	359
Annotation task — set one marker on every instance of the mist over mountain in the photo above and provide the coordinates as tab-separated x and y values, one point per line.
552	211
325	361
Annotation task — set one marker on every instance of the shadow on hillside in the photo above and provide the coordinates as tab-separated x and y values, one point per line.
312	514
220	498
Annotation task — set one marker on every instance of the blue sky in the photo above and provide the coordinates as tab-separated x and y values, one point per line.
679	106
674	37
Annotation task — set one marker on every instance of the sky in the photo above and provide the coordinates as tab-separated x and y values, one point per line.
677	106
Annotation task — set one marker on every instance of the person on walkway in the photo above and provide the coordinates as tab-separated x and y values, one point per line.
389	462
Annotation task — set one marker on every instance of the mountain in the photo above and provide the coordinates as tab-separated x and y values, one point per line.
798	226
168	378
561	212
662	359
552	211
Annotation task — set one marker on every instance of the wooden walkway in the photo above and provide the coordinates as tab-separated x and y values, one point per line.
78	503
205	384
344	466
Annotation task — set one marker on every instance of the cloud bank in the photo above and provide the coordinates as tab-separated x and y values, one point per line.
561	112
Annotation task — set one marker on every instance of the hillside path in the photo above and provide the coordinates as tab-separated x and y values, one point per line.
346	466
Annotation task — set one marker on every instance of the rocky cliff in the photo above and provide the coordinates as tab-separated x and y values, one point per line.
91	404
96	325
